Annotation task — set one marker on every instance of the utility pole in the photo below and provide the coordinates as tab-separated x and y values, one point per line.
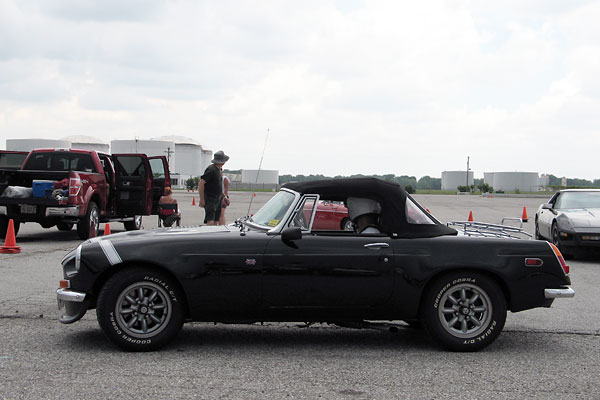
468	173
169	152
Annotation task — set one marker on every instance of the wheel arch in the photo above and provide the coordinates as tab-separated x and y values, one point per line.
108	273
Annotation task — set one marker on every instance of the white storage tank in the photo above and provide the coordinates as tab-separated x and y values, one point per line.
148	147
451	180
30	144
87	143
188	155
265	176
512	181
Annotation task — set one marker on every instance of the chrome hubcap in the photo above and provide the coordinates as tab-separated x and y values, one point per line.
465	311
143	309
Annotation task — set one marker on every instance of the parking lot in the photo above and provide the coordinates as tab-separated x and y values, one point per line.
541	353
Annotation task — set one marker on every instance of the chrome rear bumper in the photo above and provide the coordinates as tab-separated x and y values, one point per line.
564	292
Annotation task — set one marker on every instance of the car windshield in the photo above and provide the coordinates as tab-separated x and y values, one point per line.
578	200
271	214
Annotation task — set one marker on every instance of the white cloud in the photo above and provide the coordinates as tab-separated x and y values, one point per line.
345	87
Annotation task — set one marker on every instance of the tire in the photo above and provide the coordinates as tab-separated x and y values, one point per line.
4	226
64	226
459	326
148	300
347	225
91	216
536	234
556	242
134	225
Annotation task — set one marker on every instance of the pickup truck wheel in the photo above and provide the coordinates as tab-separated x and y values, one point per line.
4	226
463	311
140	309
134	225
84	225
64	226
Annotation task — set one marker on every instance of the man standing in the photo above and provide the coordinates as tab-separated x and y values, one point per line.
211	189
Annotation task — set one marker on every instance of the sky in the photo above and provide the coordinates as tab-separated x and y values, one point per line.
332	87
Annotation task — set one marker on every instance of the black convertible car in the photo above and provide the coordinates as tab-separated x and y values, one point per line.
273	267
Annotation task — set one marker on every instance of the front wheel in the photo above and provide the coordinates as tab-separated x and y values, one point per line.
463	311
537	235
140	309
134	225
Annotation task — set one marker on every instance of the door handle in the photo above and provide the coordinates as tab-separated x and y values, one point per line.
377	246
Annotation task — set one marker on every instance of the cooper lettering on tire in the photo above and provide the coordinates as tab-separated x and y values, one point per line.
140	310
463	311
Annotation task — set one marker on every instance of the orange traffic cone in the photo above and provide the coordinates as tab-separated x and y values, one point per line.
10	244
470	216
524	217
92	229
106	229
427	209
194	200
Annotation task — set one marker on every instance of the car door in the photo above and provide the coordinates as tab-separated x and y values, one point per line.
161	178
133	184
329	271
545	218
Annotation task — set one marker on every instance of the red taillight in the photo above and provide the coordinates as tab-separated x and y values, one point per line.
561	260
534	262
74	186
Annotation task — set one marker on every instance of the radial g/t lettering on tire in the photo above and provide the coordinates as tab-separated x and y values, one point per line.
140	309
463	311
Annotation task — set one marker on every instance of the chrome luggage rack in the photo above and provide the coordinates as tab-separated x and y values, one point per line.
484	229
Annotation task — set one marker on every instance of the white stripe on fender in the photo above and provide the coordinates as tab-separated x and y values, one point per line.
110	252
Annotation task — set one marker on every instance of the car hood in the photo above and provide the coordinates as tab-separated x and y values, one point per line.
164	233
583	218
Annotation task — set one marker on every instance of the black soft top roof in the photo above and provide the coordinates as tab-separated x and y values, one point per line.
390	195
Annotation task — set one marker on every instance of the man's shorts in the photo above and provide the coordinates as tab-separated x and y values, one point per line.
212	208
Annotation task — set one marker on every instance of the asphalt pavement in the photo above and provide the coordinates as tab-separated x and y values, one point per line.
541	353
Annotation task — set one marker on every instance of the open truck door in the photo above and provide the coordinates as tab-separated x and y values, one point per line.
161	178
133	181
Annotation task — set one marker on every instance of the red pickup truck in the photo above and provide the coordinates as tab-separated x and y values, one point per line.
81	187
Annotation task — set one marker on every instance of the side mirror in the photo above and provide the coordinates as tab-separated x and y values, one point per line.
547	206
292	233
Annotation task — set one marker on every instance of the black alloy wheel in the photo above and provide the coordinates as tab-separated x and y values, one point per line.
92	218
140	309
463	311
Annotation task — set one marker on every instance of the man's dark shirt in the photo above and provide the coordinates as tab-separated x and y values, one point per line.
213	186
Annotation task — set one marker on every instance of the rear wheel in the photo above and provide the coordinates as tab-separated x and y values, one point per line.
140	309
84	226
134	225
4	226
347	225
463	311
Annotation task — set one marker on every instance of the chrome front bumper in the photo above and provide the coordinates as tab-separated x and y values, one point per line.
564	292
62	211
72	305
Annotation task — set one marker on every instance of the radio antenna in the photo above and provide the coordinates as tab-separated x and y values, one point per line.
258	172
